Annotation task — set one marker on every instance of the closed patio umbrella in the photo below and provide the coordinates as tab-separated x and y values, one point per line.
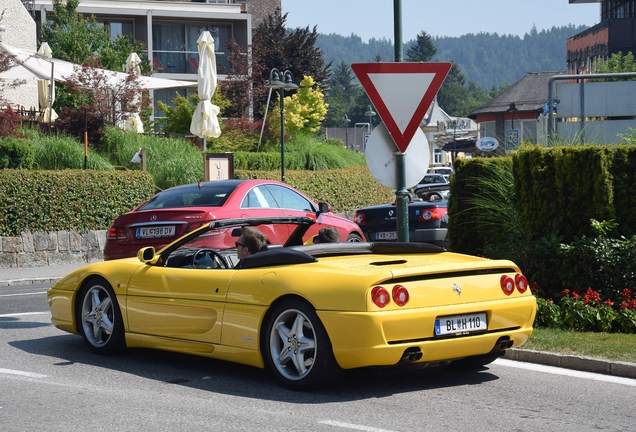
46	88
205	122
133	122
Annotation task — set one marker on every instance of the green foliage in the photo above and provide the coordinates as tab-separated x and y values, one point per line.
305	110
171	161
489	59
16	153
617	63
70	35
178	117
113	55
79	200
58	152
423	50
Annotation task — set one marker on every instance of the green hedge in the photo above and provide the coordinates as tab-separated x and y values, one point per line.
90	200
68	200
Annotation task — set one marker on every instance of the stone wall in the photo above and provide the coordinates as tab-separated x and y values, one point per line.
40	249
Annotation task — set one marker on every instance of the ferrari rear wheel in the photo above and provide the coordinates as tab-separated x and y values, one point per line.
296	347
99	318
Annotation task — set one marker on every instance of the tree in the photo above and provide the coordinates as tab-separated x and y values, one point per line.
179	116
342	79
617	63
305	110
71	36
423	50
294	50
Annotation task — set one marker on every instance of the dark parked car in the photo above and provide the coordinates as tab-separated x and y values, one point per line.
174	212
428	221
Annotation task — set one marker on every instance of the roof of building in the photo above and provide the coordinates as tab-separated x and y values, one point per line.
530	93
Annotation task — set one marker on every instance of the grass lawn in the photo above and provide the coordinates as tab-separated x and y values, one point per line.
606	346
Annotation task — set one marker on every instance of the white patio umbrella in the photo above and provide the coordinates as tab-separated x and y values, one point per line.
133	122
46	88
205	122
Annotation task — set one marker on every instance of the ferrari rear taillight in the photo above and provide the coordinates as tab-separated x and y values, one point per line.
380	296
507	284
116	233
359	219
400	295
522	283
435	213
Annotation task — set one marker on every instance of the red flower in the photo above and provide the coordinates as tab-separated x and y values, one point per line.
633	305
534	287
565	293
608	302
575	295
624	305
591	296
550	301
626	294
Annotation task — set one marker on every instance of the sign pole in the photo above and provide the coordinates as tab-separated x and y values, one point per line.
401	194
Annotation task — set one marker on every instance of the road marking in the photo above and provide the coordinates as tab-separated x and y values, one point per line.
21	373
23	314
22	294
567	372
353	426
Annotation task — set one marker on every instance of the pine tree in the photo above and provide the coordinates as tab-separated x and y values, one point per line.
423	50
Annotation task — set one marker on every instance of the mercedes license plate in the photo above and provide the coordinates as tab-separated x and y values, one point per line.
155	232
391	235
461	324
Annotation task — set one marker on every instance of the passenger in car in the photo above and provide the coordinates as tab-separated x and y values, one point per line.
325	235
250	241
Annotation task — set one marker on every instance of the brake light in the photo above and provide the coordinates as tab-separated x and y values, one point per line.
435	213
380	296
507	284
400	295
116	233
522	283
359	219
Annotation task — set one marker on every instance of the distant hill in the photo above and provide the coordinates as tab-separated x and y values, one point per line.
489	59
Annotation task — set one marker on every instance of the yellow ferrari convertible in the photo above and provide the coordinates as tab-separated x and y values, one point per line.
305	312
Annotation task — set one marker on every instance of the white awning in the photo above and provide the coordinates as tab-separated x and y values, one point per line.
30	66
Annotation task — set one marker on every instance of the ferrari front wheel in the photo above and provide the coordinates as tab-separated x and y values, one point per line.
99	318
296	347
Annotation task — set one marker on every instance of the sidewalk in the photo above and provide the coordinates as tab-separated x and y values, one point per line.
50	274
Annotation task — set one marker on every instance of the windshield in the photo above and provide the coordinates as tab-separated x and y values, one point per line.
190	196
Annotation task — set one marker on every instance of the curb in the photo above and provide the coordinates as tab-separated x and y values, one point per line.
585	364
28	281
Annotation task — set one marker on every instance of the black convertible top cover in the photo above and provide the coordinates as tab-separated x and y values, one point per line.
274	257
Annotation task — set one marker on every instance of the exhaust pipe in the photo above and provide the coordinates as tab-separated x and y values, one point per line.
503	343
412	355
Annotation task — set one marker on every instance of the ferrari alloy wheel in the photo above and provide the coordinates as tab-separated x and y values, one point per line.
297	348
99	318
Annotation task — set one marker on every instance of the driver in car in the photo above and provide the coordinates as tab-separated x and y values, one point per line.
251	241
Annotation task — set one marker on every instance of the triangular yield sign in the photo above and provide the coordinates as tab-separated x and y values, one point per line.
401	93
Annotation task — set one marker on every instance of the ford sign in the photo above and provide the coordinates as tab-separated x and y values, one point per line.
487	143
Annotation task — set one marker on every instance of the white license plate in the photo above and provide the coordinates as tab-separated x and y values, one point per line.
391	235
154	232
461	324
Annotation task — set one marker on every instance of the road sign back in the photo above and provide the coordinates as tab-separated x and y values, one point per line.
401	93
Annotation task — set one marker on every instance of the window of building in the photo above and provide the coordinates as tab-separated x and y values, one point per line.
488	129
118	28
175	46
438	156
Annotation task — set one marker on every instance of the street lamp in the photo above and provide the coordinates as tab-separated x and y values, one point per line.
286	84
370	113
512	108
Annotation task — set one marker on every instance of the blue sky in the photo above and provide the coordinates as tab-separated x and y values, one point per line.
374	18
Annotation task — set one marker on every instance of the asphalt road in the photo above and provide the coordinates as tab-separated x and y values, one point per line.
49	381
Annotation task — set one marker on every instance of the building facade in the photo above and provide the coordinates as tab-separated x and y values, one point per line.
19	31
616	32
